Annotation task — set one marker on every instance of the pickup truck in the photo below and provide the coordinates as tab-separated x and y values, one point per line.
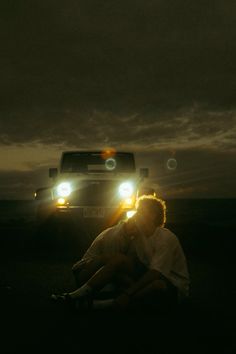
100	185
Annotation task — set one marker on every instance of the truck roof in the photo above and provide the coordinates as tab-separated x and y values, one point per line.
91	161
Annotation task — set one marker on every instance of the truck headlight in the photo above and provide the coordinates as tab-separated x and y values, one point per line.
126	190
64	189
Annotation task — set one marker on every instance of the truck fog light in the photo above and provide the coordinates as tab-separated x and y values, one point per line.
64	189
126	190
61	201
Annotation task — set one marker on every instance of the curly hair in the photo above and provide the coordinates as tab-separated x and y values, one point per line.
154	204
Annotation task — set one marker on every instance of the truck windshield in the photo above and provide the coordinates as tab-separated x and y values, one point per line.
86	162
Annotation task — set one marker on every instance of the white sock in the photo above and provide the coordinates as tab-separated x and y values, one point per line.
84	290
102	304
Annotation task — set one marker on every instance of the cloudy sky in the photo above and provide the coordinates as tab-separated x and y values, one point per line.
154	77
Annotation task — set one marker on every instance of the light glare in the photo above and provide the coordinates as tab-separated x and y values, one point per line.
129	201
61	201
171	164
126	190
130	213
110	164
64	189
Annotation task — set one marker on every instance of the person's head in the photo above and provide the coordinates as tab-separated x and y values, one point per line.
146	190
151	210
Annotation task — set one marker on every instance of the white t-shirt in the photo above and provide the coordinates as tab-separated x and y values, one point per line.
109	241
161	251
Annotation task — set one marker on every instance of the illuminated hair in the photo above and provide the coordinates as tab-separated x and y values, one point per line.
156	205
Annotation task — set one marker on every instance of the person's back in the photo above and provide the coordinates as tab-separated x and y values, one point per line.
109	241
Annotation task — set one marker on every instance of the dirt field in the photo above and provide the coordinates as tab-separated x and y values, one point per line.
36	263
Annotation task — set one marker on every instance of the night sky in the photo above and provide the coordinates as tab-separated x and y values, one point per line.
154	77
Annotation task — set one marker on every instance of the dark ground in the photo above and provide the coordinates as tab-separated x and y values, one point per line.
35	264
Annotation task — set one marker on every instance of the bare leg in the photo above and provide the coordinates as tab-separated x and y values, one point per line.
159	295
118	264
85	272
147	287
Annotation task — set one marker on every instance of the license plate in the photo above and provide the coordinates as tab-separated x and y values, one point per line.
93	212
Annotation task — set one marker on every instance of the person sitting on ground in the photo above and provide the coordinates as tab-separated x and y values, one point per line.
110	242
145	258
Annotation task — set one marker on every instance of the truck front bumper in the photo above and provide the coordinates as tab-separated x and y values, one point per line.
93	212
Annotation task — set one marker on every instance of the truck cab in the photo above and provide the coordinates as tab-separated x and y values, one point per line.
92	184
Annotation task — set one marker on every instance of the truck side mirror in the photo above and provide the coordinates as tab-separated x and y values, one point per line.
144	172
53	172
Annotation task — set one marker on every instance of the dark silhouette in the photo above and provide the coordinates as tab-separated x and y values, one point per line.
143	260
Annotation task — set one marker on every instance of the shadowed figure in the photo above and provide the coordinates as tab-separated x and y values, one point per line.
141	261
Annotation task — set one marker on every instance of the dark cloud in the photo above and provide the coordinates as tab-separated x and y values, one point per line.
180	129
117	55
139	75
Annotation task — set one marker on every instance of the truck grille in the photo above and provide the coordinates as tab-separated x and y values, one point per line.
99	193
